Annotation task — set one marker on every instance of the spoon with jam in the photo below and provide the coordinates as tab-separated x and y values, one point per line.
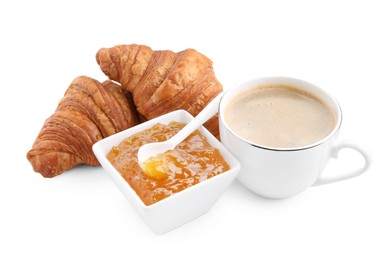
148	154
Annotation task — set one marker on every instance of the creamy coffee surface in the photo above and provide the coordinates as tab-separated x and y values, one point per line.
279	116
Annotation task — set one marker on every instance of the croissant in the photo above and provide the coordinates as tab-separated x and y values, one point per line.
162	81
88	112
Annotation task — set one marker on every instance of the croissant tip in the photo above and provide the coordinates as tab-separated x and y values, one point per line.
41	167
106	63
97	56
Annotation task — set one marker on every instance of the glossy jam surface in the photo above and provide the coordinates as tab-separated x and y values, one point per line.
192	161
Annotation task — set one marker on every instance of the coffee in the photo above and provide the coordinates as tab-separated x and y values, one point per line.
279	116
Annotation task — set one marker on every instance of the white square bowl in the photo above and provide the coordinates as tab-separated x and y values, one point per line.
183	206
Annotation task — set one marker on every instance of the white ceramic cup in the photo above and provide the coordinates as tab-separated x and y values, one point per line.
284	172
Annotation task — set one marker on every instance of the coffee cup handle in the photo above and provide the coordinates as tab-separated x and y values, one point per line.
364	151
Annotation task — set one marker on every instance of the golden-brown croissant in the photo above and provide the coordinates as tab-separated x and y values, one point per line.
88	112
162	81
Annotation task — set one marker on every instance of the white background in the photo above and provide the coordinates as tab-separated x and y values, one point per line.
342	46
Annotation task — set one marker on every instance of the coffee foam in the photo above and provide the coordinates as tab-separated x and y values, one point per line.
279	116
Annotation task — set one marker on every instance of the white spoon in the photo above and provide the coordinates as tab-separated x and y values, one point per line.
151	149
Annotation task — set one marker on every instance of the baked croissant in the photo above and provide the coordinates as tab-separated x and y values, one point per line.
88	112
162	81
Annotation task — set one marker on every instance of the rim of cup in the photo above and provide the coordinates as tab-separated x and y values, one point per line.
294	82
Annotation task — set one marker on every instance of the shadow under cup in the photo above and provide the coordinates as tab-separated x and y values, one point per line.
278	172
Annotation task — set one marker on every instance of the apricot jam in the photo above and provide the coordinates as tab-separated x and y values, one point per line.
192	161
